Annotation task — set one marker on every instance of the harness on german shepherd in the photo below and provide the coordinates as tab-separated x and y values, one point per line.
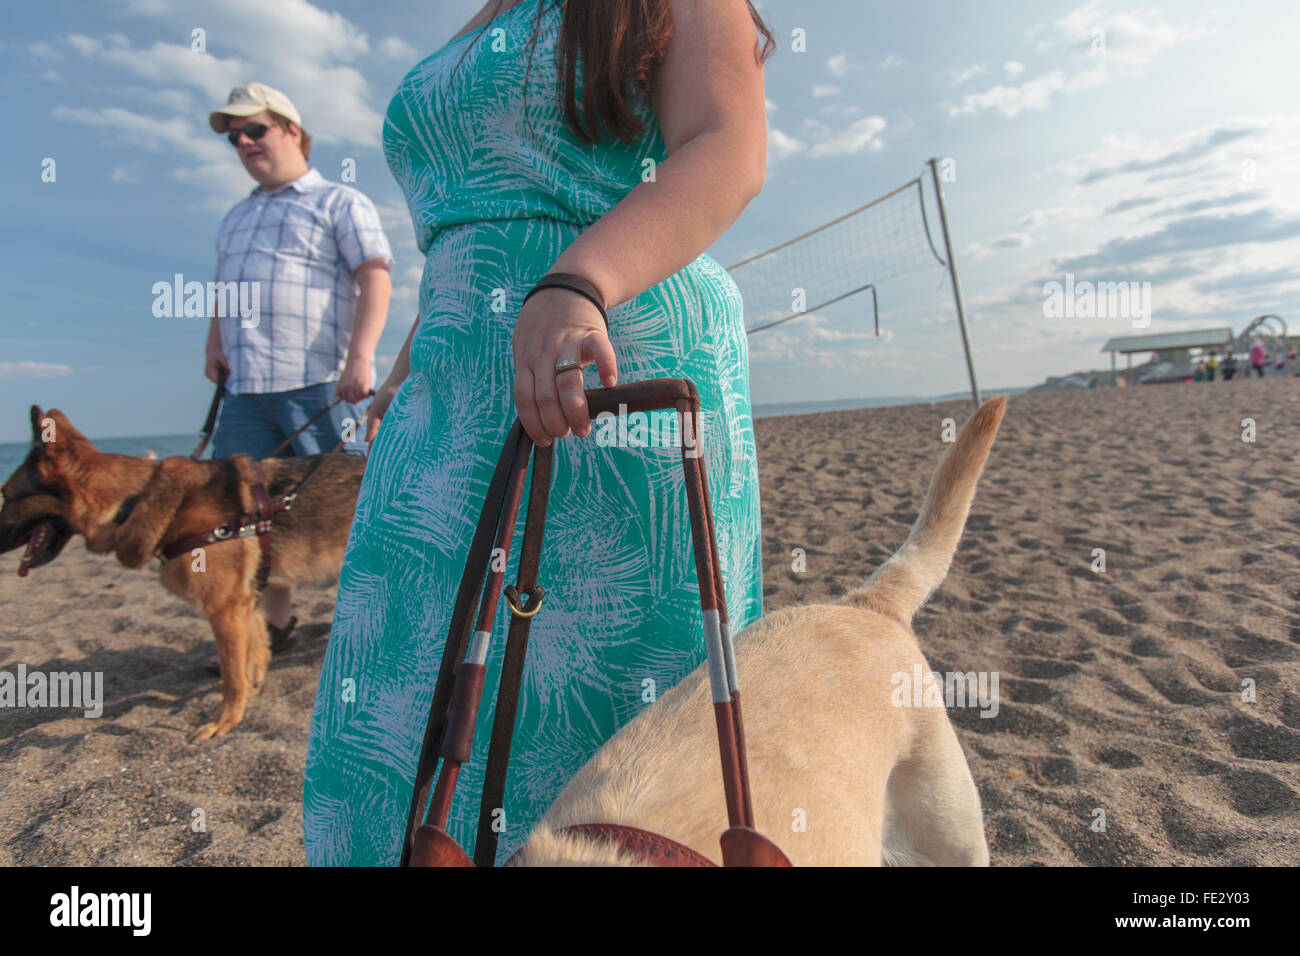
245	525
449	733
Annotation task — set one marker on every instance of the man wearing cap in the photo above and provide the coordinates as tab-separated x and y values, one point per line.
321	263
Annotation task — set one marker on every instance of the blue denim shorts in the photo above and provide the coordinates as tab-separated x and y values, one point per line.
255	424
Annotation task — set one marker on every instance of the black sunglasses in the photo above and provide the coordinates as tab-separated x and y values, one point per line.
254	131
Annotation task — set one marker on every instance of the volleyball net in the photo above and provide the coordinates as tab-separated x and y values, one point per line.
851	255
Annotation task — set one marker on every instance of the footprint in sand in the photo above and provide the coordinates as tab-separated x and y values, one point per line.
1257	740
1254	793
1118	759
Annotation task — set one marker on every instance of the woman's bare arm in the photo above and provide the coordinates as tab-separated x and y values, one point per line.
385	393
708	98
402	364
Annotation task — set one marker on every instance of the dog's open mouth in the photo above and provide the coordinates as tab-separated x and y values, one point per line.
45	540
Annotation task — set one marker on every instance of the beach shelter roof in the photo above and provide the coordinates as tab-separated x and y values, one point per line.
1198	338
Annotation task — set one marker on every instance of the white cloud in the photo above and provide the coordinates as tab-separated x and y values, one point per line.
83	44
221	177
891	61
1099	46
147	132
1158	211
782	146
825	90
1012	240
1011	101
968	74
862	135
1040	217
25	370
809	340
313	55
1131	38
44	51
838	64
307	52
395	48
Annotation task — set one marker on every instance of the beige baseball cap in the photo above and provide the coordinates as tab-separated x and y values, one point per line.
250	100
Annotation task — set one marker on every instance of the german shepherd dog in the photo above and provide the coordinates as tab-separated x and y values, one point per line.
134	507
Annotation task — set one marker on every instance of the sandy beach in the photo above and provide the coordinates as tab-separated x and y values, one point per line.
1121	692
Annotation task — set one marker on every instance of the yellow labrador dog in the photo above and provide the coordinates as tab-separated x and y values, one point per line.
840	775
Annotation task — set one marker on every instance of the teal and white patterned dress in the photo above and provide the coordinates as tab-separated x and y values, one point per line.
493	208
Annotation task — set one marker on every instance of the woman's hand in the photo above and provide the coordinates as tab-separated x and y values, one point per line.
377	407
554	324
384	394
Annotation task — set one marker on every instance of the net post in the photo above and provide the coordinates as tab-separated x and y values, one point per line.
956	286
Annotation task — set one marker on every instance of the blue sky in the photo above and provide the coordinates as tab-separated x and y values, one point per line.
1112	141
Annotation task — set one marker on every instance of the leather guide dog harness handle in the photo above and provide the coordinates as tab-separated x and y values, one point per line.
449	733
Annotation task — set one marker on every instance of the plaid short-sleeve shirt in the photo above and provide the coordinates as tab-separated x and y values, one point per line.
301	245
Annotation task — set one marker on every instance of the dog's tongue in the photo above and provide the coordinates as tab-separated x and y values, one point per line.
34	544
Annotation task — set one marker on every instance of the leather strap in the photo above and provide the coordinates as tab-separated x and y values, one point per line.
246	524
471	583
450	735
512	669
264	511
205	433
576	283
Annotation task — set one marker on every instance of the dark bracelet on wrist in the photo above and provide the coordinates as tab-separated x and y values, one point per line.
575	283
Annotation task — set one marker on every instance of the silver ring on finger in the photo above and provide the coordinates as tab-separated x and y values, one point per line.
564	365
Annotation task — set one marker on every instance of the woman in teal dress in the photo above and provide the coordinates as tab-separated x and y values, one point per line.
502	190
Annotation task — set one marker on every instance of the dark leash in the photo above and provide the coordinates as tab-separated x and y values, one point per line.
312	421
209	423
449	733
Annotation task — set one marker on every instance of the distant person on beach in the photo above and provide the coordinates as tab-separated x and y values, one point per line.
1200	373
1257	358
1211	366
321	260
1229	367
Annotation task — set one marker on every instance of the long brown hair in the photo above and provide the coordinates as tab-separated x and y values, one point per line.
622	43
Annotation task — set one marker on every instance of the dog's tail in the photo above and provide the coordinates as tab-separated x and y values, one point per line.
901	585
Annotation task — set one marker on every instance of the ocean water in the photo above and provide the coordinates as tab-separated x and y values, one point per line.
13	453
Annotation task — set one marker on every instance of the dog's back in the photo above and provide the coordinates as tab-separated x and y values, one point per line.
310	538
839	775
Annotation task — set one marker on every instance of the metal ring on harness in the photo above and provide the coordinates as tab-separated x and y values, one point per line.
518	607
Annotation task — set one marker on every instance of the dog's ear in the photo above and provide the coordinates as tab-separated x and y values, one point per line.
53	430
